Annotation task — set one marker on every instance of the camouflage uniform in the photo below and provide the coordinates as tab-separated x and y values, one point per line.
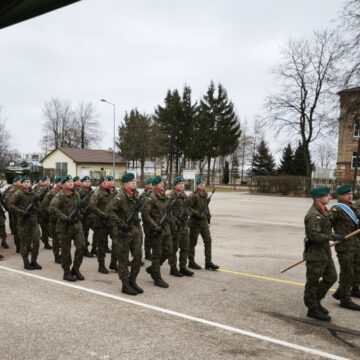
45	208
99	205
64	202
161	243
113	233
181	240
43	218
146	227
12	215
199	224
2	220
28	228
120	208
83	192
317	254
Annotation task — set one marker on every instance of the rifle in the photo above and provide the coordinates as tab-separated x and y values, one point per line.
31	206
79	207
34	183
356	232
184	213
167	213
134	214
206	207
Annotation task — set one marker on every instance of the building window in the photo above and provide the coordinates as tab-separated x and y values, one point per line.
61	169
353	161
357	127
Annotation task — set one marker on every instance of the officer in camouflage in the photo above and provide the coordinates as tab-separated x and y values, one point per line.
113	193
127	236
83	192
62	205
181	238
199	224
44	183
46	211
317	254
346	221
27	223
161	240
77	183
146	226
99	206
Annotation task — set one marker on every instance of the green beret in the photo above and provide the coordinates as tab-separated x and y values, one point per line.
157	179
66	178
19	177
85	178
44	178
110	178
199	180
127	177
102	179
76	178
148	181
178	179
58	179
319	191
344	189
25	177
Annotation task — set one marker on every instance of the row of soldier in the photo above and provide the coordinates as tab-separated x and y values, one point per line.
172	222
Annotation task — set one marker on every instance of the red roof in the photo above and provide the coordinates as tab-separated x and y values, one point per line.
90	156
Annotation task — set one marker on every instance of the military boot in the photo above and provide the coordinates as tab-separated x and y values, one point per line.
93	251
175	272
149	271
4	244
1	257
27	265
102	268
211	266
336	295
88	254
194	265
35	265
47	246
350	305
127	289
136	287
77	274
355	292
161	283
69	277
316	314
184	270
322	309
18	249
113	267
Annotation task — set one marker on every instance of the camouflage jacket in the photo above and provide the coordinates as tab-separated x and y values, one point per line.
10	193
198	203
179	205
344	225
318	232
3	206
45	204
99	206
113	192
18	203
121	207
61	206
154	209
83	192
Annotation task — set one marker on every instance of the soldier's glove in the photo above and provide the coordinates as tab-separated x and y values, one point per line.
170	220
338	237
80	216
159	229
70	221
126	228
179	222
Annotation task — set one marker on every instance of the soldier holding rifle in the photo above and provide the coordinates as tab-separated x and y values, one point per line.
317	254
23	203
65	206
199	224
44	183
345	221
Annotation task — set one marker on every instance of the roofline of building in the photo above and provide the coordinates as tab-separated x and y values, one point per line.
351	90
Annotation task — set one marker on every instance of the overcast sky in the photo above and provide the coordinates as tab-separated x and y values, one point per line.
131	52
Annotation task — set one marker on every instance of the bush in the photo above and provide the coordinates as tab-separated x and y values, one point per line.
285	185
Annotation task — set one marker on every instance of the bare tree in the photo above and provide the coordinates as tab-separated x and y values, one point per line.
4	139
308	77
325	154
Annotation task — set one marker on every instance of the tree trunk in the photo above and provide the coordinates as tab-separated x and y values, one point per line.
142	164
208	172
213	172
307	163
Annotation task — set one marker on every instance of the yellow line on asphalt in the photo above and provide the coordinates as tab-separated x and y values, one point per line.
264	278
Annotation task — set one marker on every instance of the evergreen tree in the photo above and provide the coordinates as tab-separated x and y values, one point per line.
287	162
263	162
299	161
226	173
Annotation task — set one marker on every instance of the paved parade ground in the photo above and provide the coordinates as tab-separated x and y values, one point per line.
247	310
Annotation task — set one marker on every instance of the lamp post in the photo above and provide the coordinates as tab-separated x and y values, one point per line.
103	100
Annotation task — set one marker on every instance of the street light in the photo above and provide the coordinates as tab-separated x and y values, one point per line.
103	100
